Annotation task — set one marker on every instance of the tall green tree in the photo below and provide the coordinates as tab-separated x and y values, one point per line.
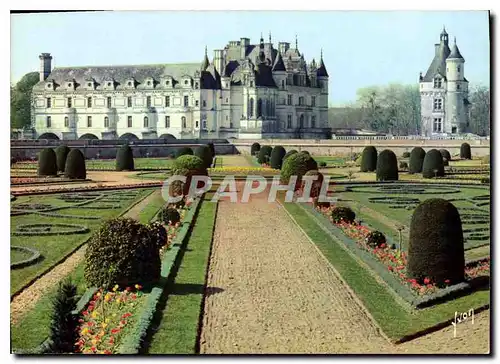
20	100
479	97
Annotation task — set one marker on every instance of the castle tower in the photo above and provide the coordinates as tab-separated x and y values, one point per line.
279	72
45	65
205	63
322	81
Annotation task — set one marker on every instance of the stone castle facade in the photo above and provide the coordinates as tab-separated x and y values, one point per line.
247	91
444	92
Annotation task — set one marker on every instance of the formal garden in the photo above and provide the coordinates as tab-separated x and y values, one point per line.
118	270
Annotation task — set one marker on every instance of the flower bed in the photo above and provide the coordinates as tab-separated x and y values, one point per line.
243	171
90	187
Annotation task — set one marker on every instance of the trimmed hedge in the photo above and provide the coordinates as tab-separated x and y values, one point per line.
255	148
465	152
387	166
264	154
343	214
297	164
62	152
322	164
183	151
417	156
433	165
277	155
75	165
47	163
436	247
316	185
205	154
375	239
445	154
188	166
124	159
288	154
169	215
369	159
211	146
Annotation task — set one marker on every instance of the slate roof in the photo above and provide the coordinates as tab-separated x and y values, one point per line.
279	65
438	64
455	53
321	71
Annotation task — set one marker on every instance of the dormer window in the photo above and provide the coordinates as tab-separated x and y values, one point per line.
186	82
49	85
89	84
70	84
129	83
438	82
167	82
109	84
148	83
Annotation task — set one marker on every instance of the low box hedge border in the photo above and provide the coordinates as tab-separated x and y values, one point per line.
35	255
393	282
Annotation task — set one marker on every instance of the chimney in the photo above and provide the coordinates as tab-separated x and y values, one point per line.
219	61
283	47
45	65
244	43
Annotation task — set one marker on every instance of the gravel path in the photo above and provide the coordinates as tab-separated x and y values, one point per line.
27	299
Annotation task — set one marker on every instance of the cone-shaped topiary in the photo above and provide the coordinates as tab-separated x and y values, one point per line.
316	184
417	156
387	166
184	151
63	327
445	154
75	165
255	148
433	164
169	214
124	159
436	248
61	155
343	214
277	155
465	152
47	163
188	166
297	164
124	252
288	154
264	154
205	154
369	159
212	148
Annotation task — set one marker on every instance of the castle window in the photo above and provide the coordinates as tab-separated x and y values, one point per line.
438	125
70	102
146	121
49	85
89	84
108	102
259	108
167	82
66	122
313	121
197	124
167	101
290	98
49	121
186	82
227	117
313	101
438	104
204	103
227	100
301	100
196	85
458	86
438	82
183	120
129	101
250	111
301	121
283	84
167	121
204	124
69	84
49	102
129	83
89	121
129	121
106	122
148	83
458	69
196	102
109	84
148	101
289	121
186	101
89	101
251	83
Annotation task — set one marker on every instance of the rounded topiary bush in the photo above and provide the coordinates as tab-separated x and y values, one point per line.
465	152
169	214
375	239
124	159
183	151
369	159
436	247
61	155
316	184
212	148
403	166
124	252
417	156
75	165
387	166
296	164
445	162
205	154
264	154
343	214
406	155
288	154
47	163
433	164
188	166
322	164
255	148
277	155
445	154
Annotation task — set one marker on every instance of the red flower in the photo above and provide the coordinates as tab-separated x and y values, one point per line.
447	281
85	313
125	315
112	340
426	280
116	330
93	348
107	351
390	268
123	322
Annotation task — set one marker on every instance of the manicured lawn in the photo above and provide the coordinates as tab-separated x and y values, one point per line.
110	164
395	319
177	331
151	209
332	160
54	247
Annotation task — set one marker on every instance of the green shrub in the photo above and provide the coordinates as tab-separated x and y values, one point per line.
417	156
75	165
433	164
445	154
288	154
264	154
47	163
445	162
485	180
369	159
124	159
205	154
465	152
387	166
277	155
212	148
406	155
403	166
63	327
296	164
375	239
61	155
184	151
124	252
343	214
169	215
316	185
322	164
436	248
305	152
188	166
255	148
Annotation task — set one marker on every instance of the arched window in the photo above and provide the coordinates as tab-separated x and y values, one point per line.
259	108
301	121
250	108
183	119
146	121
66	122
106	122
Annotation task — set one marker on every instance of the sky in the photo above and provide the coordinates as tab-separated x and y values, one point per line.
360	48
